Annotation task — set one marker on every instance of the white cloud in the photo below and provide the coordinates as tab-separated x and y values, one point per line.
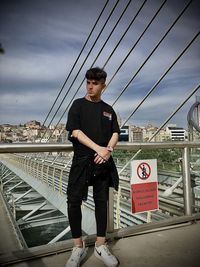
41	48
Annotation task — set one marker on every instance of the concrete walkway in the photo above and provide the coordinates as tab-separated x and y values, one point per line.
8	237
176	247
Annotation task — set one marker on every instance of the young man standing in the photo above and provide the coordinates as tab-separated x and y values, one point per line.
93	130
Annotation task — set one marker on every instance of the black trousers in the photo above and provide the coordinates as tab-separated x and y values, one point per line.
100	195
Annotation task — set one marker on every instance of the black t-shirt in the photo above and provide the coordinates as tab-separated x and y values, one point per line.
97	120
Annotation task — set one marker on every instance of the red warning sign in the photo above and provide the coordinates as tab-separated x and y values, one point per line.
144	185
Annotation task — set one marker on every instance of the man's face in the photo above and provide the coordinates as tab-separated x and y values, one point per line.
94	88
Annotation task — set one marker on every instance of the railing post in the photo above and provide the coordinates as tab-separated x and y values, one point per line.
187	189
110	221
1	186
118	207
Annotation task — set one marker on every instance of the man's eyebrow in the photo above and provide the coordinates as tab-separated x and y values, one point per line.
92	81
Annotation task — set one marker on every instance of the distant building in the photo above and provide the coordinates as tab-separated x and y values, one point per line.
43	140
32	131
124	134
135	134
33	124
148	133
131	134
176	133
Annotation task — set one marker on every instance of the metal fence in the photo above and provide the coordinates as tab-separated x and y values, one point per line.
56	177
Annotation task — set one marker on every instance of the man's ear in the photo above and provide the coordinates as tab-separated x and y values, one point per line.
104	88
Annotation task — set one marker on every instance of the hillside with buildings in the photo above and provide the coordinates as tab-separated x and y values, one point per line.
33	131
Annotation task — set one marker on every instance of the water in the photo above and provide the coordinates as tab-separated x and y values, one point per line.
41	235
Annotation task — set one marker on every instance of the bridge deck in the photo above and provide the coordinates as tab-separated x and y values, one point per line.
8	236
172	247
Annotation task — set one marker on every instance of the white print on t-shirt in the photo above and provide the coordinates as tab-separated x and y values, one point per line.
107	114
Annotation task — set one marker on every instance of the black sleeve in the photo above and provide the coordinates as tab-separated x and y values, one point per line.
115	125
73	121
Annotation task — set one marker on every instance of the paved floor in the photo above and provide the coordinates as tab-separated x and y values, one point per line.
8	237
177	247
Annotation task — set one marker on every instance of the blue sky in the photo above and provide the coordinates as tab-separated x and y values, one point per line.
42	40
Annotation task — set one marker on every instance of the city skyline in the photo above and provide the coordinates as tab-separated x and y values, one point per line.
33	131
63	125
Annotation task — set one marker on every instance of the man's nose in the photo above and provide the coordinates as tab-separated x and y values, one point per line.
90	86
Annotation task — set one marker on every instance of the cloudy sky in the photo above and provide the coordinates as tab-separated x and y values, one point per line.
43	38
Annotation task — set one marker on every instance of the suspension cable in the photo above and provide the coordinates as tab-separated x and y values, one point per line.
84	62
104	64
136	42
130	24
173	113
102	48
166	33
75	62
161	78
164	123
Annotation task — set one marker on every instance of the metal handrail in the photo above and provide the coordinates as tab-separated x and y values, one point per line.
52	147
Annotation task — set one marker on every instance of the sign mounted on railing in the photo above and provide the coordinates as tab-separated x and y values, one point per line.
144	185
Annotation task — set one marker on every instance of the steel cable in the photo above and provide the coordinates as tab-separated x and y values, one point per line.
161	78
163	124
83	64
75	62
102	48
152	52
155	15
104	64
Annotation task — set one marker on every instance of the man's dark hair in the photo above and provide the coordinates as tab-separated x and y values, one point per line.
97	74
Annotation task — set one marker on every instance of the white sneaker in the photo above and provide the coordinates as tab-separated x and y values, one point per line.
78	254
102	252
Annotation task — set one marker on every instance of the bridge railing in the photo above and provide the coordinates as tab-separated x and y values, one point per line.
49	174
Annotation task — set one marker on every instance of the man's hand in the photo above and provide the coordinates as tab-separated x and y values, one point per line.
102	155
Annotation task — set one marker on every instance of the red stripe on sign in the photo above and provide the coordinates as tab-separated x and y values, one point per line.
144	197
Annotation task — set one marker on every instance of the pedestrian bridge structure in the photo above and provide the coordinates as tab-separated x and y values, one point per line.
36	183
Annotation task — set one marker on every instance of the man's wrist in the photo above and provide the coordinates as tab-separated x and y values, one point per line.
110	148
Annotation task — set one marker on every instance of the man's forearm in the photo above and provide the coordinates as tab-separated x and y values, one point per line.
102	153
85	140
113	141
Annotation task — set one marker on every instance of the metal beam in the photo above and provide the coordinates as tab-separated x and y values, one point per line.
3	178
33	211
23	195
41	215
47	147
59	236
15	186
9	180
187	182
